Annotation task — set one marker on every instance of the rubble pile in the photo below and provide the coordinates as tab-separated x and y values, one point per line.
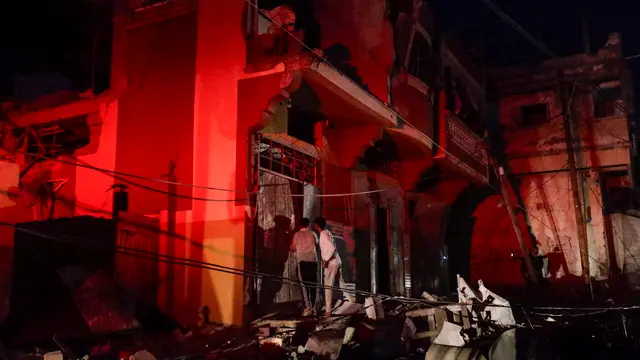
481	325
395	328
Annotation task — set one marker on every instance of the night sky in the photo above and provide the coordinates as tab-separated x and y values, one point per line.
558	24
48	37
53	36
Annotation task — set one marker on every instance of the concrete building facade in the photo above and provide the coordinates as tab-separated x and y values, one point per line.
530	125
228	121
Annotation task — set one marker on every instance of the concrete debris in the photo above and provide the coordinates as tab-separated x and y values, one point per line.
272	341
348	308
348	335
500	314
408	331
442	352
54	355
142	355
326	342
389	329
430	297
450	335
374	308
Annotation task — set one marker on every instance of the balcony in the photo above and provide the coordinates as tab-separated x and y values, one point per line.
461	152
412	100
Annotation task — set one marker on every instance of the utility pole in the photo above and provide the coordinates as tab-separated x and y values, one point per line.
514	221
172	206
573	174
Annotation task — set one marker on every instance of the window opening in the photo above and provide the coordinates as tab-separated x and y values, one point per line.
534	115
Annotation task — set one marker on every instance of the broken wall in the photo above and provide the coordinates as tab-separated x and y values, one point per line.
537	157
357	33
626	231
551	212
604	141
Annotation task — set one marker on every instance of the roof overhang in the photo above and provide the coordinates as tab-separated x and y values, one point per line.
411	143
344	101
65	111
461	152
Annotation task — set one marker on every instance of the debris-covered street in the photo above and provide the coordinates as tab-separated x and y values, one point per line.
319	179
482	325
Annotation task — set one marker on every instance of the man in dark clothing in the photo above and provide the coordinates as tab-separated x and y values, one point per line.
537	262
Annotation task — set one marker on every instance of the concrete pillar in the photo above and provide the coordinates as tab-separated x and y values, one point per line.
219	225
90	184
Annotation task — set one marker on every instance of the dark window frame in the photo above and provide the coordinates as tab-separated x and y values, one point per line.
532	115
605	102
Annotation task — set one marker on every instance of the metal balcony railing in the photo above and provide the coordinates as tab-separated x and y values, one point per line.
463	148
285	161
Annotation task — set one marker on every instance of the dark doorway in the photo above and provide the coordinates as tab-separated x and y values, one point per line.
382	242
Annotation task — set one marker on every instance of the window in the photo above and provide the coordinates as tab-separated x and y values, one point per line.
534	115
606	102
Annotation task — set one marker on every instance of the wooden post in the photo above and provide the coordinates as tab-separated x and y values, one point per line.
573	174
373	248
516	228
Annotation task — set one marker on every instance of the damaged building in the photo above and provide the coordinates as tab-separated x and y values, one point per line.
596	91
227	123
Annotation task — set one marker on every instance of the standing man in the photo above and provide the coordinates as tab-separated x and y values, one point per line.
303	246
538	264
331	264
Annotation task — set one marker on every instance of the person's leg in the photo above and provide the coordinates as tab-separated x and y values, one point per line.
343	286
309	272
330	273
308	275
303	287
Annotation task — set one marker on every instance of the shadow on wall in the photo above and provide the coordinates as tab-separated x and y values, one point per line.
339	56
304	112
363	258
347	264
274	256
461	226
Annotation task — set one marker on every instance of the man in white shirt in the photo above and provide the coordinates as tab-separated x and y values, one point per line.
332	265
303	246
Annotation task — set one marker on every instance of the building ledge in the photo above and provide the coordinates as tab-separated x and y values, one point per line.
412	144
72	109
336	90
461	152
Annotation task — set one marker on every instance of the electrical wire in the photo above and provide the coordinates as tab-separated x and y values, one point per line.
545	182
319	195
542	47
154	256
613	228
119	175
333	67
498	192
537	43
324	60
